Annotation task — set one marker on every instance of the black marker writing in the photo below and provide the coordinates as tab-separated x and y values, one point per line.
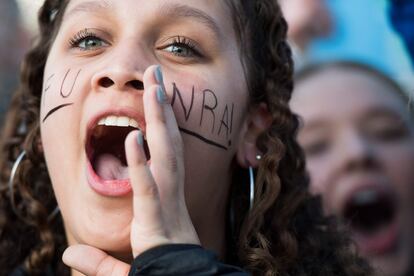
202	138
209	107
63	94
53	110
211	104
225	121
176	92
47	87
231	118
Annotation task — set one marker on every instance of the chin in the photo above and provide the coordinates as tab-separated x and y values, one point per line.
111	235
397	264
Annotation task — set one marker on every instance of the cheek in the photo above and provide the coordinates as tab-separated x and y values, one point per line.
318	169
62	150
207	110
399	166
60	108
61	111
60	91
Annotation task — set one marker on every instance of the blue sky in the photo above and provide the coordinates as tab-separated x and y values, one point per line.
363	33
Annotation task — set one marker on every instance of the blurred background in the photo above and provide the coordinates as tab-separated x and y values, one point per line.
353	93
362	32
324	30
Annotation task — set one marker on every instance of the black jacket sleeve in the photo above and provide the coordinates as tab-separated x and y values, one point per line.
181	259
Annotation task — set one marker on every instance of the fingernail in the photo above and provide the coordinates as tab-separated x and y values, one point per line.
158	75
140	138
161	96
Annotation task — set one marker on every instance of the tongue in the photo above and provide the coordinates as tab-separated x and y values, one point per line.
108	167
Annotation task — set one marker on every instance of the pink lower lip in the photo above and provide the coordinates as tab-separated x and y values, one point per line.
112	188
378	243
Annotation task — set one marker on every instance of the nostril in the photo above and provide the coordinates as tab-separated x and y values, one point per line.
136	84
106	82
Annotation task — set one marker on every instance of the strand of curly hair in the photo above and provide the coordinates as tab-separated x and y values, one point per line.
35	241
301	240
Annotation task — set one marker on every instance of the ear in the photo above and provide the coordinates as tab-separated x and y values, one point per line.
257	121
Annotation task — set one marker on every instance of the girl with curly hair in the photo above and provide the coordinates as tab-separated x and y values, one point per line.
148	164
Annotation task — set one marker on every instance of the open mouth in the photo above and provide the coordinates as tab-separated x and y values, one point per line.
371	215
105	147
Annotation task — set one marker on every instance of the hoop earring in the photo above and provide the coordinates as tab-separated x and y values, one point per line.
251	176
13	172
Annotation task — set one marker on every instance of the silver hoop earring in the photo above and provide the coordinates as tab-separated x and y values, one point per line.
53	14
251	175
13	172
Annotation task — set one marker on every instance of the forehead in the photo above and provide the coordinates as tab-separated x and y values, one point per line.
215	13
344	92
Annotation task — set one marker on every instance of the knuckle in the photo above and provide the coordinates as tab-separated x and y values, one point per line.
178	143
149	191
141	161
105	267
172	162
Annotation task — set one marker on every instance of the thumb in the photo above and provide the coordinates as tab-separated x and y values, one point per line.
93	262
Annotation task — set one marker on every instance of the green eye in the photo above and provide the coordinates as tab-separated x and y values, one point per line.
87	40
182	47
91	43
180	50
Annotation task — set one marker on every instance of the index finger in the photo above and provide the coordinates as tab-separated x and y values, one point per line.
147	227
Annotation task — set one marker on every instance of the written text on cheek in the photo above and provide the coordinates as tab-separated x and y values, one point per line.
205	117
214	119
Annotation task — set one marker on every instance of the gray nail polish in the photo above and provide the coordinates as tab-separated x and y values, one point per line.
161	96
140	138
158	75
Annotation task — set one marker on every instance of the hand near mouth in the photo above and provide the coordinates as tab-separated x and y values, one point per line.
160	213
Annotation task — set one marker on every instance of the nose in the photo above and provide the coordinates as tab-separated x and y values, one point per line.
122	70
109	81
356	152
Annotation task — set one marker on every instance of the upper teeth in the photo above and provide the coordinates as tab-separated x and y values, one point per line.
121	121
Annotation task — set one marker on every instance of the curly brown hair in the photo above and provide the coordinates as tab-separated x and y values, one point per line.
285	233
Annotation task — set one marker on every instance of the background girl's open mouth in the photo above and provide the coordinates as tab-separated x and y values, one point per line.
372	215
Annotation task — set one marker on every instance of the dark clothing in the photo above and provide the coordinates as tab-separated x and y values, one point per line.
402	18
181	259
172	259
20	271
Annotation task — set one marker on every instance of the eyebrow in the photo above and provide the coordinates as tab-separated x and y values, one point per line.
373	113
381	112
90	6
318	124
173	10
184	11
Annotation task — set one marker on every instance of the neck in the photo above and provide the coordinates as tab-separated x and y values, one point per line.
212	233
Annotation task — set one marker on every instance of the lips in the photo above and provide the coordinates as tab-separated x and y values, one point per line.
371	212
107	169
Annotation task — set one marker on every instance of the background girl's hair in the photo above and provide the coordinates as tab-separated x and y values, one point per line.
284	234
354	66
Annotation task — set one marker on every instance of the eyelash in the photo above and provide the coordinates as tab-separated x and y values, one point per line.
81	36
177	41
180	41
